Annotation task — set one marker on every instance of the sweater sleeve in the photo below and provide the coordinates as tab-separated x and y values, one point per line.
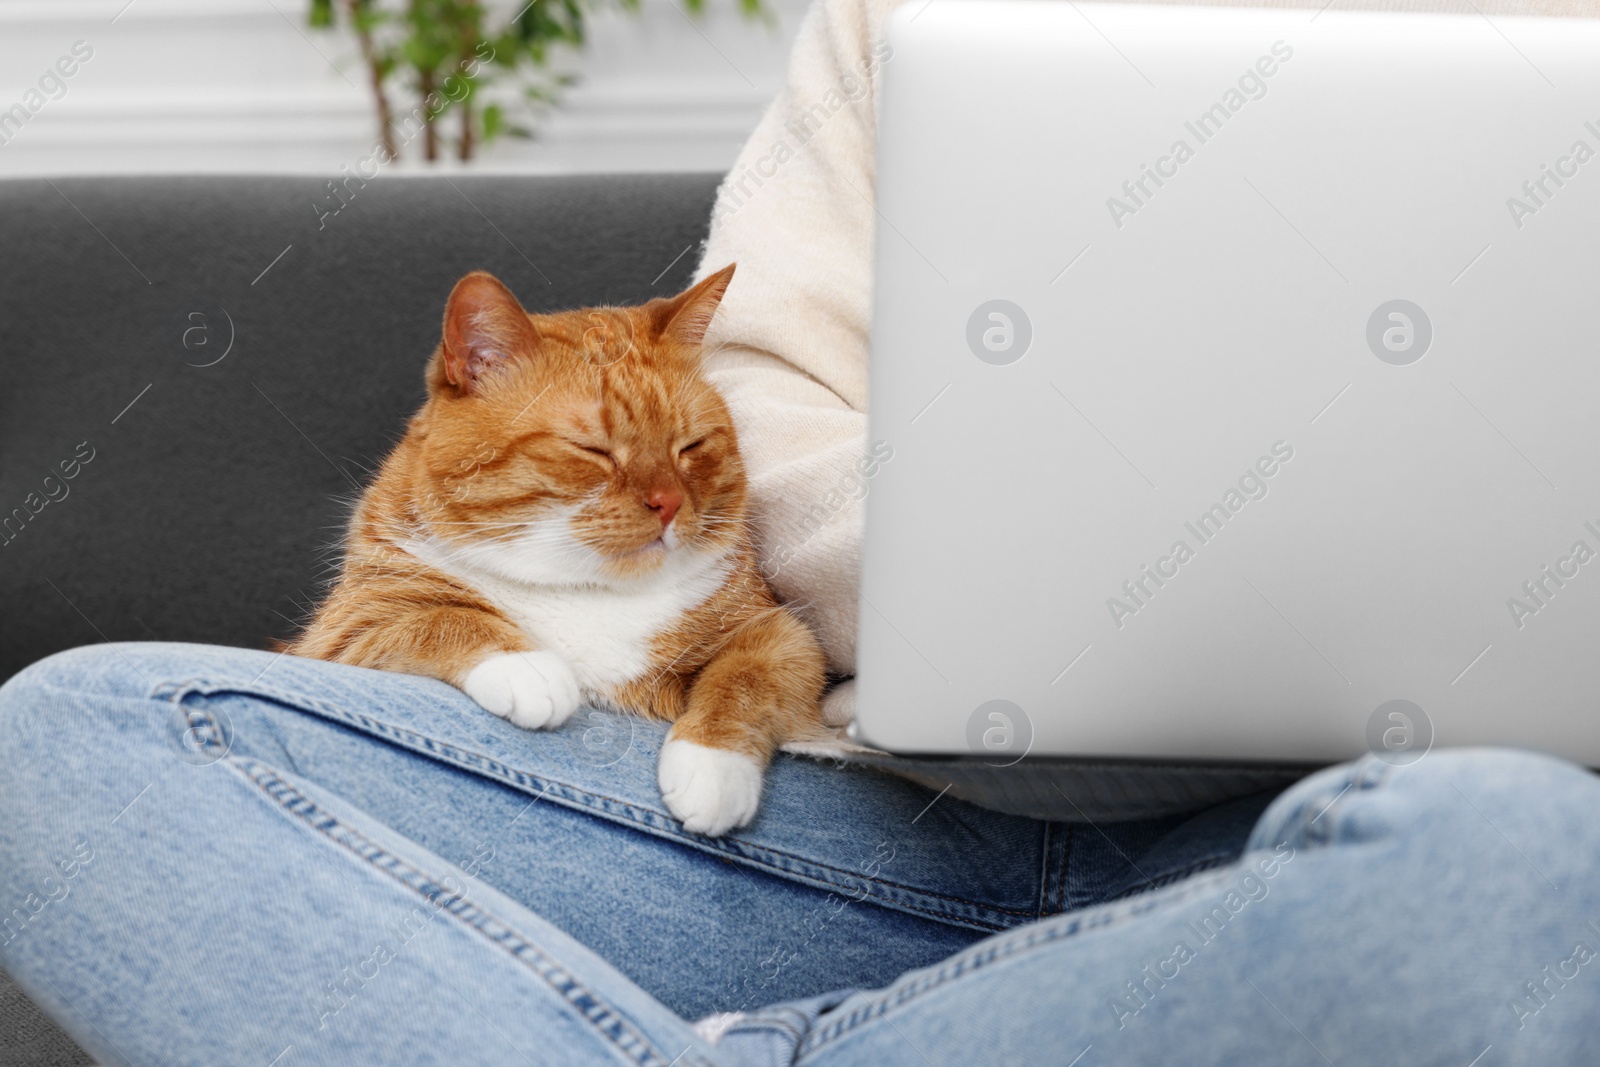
788	348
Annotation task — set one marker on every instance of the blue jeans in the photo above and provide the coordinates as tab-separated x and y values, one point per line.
217	856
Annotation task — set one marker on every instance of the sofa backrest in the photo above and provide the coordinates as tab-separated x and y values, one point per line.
197	374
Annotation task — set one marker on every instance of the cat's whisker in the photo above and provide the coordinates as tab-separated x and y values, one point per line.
480	522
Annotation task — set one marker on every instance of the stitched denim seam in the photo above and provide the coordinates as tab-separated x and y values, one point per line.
607	1021
1370	774
1004	947
791	1016
767	1025
1362	778
1044	873
952	908
1061	869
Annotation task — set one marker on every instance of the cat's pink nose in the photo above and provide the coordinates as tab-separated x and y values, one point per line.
665	503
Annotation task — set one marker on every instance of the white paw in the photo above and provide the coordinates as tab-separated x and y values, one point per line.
532	689
709	790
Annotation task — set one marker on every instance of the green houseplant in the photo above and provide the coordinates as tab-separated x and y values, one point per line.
474	75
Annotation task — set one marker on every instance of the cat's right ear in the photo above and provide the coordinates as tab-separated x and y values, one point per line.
484	328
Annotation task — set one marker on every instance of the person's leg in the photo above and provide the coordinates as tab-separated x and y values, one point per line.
1442	913
173	896
847	878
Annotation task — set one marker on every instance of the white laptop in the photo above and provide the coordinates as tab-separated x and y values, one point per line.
1241	369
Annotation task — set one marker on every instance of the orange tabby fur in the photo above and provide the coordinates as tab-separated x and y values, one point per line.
600	415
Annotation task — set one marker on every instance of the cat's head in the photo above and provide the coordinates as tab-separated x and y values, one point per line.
577	445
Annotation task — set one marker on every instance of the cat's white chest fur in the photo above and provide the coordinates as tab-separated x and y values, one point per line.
603	628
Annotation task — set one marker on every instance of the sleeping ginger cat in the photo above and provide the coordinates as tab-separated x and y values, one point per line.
563	521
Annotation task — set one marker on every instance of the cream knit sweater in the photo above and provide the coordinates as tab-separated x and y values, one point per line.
788	348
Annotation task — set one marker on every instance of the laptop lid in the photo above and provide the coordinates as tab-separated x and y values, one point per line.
1239	371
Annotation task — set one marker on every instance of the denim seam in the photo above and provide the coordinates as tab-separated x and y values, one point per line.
1044	873
1061	868
608	1022
766	1024
1003	947
775	1013
791	1021
939	906
1368	774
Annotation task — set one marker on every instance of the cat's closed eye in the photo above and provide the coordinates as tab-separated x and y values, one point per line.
594	450
686	449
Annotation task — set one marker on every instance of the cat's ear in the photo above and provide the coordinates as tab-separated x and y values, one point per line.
686	317
484	328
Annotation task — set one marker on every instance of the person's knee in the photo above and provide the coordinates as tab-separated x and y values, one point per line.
1519	796
103	672
1493	770
1447	790
80	702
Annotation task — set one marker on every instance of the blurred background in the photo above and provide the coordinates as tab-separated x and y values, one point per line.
220	86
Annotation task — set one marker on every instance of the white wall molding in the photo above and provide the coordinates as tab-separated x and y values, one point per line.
230	86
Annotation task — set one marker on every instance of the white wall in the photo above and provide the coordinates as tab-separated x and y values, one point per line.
186	86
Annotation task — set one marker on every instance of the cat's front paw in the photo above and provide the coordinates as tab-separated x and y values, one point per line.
532	689
709	790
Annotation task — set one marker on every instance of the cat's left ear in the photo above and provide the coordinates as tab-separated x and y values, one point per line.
484	329
686	317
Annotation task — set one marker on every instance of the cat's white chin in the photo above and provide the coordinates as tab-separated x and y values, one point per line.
709	790
533	690
653	550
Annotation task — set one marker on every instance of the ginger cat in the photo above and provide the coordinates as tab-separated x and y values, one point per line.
563	521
